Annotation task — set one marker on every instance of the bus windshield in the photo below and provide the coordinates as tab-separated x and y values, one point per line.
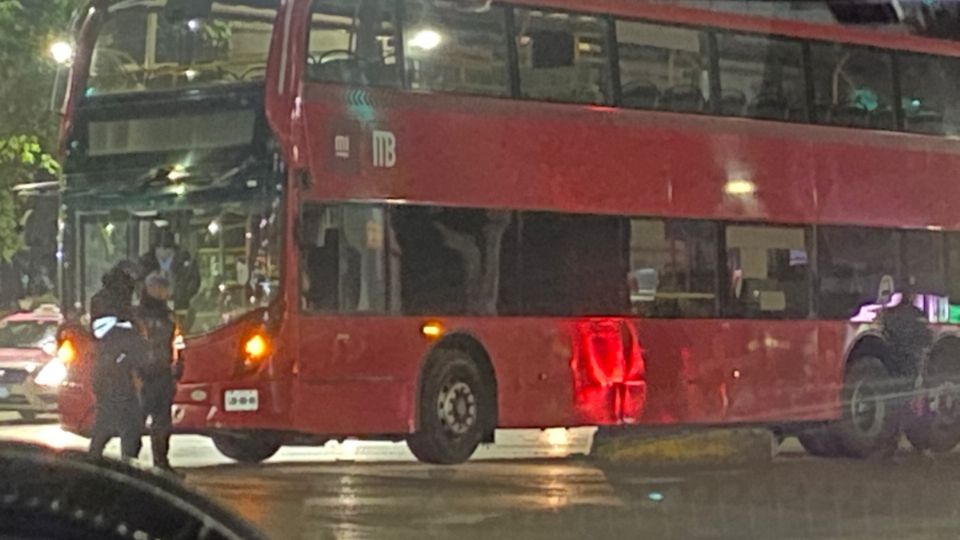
222	259
150	45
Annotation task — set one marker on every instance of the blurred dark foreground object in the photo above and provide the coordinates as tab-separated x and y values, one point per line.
58	495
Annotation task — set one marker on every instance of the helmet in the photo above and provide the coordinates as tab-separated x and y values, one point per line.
123	276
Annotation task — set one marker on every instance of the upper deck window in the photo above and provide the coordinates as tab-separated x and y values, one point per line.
453	51
353	42
663	67
853	86
928	90
764	73
153	46
563	56
220	129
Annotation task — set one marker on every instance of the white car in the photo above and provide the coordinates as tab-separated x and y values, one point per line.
30	372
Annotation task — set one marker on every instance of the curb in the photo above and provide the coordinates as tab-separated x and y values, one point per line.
690	447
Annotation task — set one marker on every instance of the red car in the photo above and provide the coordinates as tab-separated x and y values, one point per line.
30	372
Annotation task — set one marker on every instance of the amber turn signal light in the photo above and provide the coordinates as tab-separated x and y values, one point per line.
257	347
67	352
432	330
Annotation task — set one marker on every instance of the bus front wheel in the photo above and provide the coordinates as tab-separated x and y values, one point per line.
819	441
455	405
870	424
247	447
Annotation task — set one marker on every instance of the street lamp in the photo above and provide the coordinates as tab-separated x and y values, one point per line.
61	52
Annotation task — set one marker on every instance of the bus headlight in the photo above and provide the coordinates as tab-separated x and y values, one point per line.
52	374
49	348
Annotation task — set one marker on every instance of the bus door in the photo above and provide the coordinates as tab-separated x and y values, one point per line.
350	354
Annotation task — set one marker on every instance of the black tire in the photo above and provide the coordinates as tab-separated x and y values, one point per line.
455	409
29	416
930	433
939	430
870	424
819	442
247	447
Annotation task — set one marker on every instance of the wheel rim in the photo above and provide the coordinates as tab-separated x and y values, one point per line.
457	408
866	409
945	404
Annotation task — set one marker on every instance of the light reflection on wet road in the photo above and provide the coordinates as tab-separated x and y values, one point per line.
304	494
796	497
793	498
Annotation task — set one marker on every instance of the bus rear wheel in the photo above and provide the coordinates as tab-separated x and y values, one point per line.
455	405
870	424
934	422
247	447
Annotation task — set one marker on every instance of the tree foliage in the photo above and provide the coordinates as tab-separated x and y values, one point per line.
28	126
21	156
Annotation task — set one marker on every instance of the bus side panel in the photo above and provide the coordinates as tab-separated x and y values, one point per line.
869	190
356	375
720	371
361	375
532	362
507	154
836	339
502	153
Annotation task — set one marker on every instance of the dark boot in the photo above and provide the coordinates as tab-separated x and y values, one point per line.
98	442
160	445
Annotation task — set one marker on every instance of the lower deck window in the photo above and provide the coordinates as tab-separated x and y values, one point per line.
439	261
673	268
769	271
342	259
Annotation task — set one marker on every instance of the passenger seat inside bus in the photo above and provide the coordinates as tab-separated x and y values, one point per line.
341	70
849	115
925	121
769	106
883	118
682	98
640	95
761	296
733	103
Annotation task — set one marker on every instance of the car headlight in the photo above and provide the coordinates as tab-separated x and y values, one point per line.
52	374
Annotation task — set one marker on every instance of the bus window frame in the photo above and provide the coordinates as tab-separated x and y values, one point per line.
805	87
303	309
607	20
895	106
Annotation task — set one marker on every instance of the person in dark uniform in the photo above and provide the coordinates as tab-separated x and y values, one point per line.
161	370
906	328
178	267
120	351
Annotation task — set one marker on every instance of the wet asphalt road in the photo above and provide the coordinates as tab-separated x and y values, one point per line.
305	494
795	497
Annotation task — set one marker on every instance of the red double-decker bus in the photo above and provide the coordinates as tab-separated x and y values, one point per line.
421	220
